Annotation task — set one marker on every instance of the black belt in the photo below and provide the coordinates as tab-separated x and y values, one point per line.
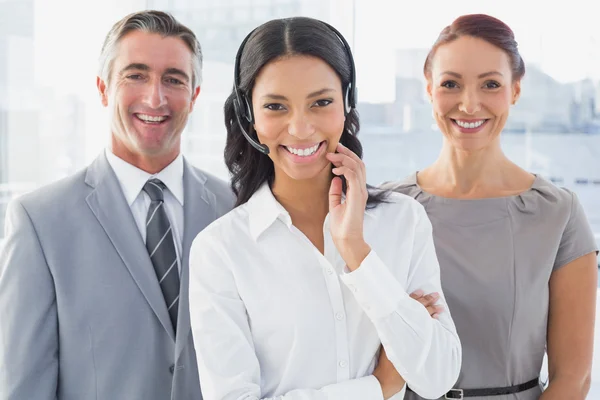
462	393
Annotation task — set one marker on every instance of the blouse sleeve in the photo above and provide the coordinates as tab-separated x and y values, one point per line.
577	238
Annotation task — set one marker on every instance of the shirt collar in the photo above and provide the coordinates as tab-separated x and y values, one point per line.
132	179
263	210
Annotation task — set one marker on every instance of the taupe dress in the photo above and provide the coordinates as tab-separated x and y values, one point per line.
496	257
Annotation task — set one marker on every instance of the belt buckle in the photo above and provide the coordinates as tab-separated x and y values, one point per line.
455	393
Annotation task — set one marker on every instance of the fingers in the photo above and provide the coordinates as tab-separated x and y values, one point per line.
349	165
356	188
426	300
435	310
349	173
429	302
352	167
335	193
347	158
417	294
339	160
346	151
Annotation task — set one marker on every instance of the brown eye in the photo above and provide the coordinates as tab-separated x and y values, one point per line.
449	85
323	102
492	85
274	107
174	81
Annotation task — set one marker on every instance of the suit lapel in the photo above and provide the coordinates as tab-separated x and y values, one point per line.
199	211
108	204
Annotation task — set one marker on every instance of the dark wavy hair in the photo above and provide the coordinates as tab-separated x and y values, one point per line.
278	38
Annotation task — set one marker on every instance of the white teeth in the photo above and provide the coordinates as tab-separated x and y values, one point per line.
303	152
149	118
469	125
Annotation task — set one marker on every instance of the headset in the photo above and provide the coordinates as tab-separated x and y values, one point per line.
243	107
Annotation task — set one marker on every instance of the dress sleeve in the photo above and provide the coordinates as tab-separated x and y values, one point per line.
577	238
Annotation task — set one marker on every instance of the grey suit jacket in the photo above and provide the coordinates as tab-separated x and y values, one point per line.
81	313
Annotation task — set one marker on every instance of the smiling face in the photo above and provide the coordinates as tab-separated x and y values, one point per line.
299	114
149	97
471	88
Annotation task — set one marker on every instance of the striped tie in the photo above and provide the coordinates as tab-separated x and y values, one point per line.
161	247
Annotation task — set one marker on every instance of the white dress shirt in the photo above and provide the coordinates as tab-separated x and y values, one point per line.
273	318
132	180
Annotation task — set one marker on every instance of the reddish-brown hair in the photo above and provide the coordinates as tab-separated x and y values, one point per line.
484	27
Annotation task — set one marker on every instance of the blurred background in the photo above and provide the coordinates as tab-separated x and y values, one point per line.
52	123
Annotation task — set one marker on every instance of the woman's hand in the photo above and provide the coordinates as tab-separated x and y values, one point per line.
428	302
346	218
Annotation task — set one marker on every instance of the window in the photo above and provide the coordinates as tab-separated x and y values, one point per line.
52	124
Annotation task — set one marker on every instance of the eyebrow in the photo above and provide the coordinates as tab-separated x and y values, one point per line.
320	92
459	76
144	67
311	95
177	71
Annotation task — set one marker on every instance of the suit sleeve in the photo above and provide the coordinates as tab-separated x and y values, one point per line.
28	313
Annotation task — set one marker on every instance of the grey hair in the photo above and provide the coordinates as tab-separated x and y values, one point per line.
150	21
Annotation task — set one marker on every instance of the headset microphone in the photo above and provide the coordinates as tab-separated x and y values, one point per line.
243	107
263	148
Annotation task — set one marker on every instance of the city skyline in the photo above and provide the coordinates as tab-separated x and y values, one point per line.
41	108
556	53
52	122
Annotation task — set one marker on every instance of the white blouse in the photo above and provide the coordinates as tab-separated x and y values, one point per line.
273	318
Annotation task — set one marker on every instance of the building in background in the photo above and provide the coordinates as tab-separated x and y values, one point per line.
19	116
50	127
221	26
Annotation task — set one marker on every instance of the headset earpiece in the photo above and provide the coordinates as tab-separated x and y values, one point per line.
247	107
243	107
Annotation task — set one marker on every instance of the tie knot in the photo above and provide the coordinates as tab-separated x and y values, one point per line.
155	188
